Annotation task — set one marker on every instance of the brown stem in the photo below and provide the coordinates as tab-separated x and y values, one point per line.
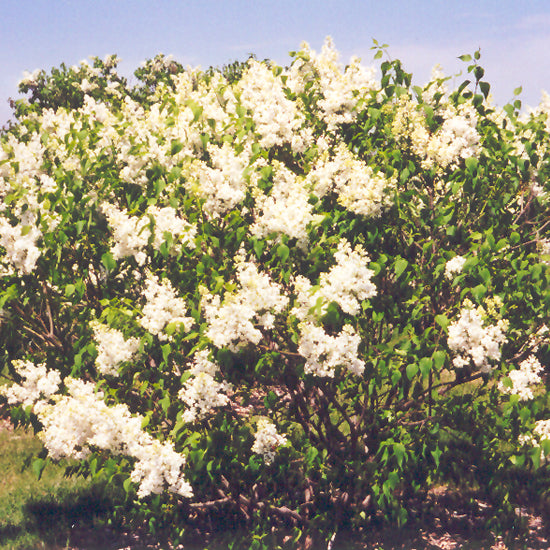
246	506
446	385
209	504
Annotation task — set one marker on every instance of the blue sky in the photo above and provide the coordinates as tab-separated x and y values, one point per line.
513	36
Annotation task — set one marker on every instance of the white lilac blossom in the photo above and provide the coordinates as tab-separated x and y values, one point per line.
112	348
26	157
76	423
163	307
474	340
409	125
455	140
523	379
276	118
233	322
540	433
324	353
454	266
20	242
339	89
38	383
436	90
358	187
347	283
130	233
30	79
202	393
168	221
267	440
286	210
544	249
222	185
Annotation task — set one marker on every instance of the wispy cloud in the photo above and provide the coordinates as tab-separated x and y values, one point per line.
534	23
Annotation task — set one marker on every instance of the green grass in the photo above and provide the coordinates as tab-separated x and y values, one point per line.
50	513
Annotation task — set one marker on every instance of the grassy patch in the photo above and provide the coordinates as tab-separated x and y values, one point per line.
45	513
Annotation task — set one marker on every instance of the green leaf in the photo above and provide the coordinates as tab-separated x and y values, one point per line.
93	466
400	266
471	164
258	247
399	452
283	252
165	403
108	261
38	466
311	455
80	226
442	321
436	456
128	485
170	328
69	290
412	369
485	275
439	357
484	87
176	147
270	400
465	57
196	109
479	292
425	366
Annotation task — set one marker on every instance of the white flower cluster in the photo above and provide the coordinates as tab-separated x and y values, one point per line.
474	340
544	249
340	91
435	90
112	348
541	432
162	307
454	265
20	241
359	189
523	379
231	322
38	383
286	210
130	233
223	184
202	392
267	440
347	283
30	79
457	137
167	221
324	353
76	423
276	118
